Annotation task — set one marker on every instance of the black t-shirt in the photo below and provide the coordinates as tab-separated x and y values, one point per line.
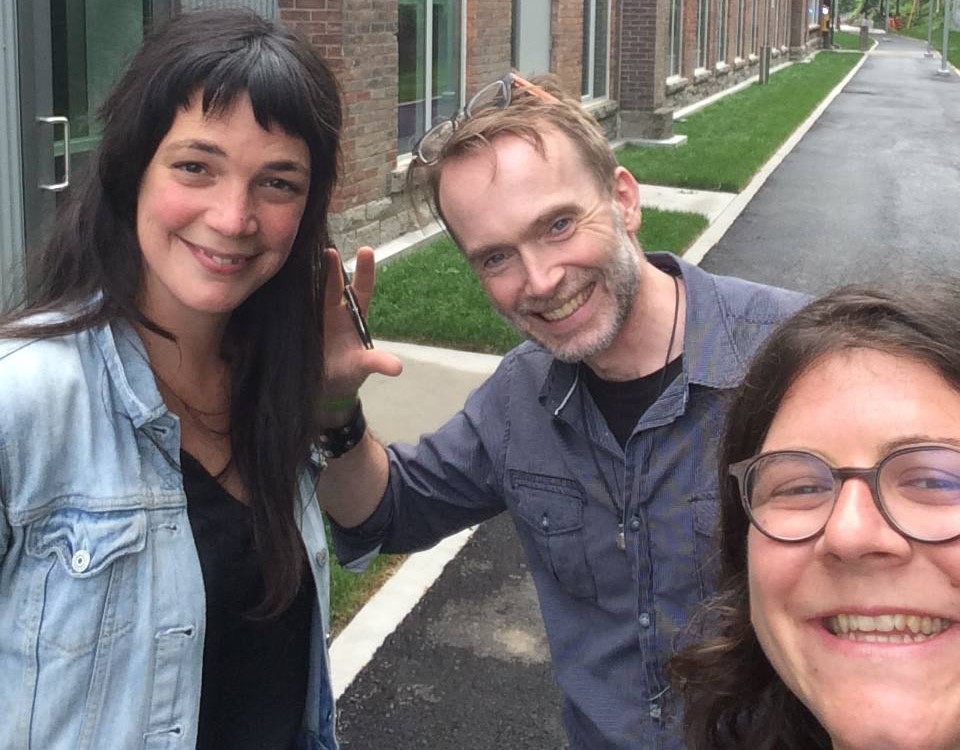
622	403
254	671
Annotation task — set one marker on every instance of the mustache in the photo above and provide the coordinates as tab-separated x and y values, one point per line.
567	291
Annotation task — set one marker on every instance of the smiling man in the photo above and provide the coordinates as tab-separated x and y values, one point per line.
597	435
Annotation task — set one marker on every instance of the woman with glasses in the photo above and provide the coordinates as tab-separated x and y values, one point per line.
836	623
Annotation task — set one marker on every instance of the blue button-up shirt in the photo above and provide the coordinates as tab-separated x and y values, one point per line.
531	441
101	592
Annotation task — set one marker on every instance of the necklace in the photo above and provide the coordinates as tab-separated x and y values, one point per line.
621	538
197	417
673	334
621	535
196	413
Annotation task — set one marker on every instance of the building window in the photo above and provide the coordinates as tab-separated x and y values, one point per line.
722	11
596	48
741	21
90	42
530	42
429	41
676	36
703	33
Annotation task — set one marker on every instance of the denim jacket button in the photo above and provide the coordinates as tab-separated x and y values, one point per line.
322	557
80	561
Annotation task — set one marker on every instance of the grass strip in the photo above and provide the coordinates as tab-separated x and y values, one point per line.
431	296
728	141
350	591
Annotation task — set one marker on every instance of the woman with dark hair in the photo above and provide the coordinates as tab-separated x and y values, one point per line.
840	519
163	565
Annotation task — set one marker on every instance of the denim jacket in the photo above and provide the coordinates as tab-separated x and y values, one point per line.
531	441
101	594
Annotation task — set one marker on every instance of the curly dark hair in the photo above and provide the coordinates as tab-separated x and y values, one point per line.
733	698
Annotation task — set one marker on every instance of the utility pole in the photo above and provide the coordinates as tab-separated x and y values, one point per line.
944	67
833	20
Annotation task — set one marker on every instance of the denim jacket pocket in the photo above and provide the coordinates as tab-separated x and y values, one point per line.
85	557
553	509
706	516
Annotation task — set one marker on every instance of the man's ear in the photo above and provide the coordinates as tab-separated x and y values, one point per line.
626	194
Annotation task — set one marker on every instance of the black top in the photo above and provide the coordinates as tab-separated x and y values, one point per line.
254	671
622	403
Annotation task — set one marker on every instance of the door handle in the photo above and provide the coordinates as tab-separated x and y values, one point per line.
56	187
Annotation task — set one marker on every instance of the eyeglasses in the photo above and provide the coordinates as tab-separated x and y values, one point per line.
497	94
790	495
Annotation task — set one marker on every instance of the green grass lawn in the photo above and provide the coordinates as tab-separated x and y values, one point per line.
728	141
350	591
431	296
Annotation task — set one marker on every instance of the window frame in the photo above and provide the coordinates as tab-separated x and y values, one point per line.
703	33
427	118
590	64
675	39
723	13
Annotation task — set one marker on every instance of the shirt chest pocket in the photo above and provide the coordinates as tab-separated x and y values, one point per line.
84	575
552	510
705	541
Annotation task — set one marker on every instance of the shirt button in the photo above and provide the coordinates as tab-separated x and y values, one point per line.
635	524
645	619
655	712
80	561
544	523
322	557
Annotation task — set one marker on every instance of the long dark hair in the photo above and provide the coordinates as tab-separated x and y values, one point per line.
733	698
92	266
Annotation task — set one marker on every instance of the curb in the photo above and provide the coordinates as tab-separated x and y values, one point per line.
385	610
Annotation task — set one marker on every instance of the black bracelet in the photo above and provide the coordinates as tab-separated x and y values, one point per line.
334	442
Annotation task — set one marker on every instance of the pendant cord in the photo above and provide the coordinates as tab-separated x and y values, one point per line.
622	508
194	411
673	335
197	415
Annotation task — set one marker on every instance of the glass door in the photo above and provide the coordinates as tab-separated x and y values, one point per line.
71	52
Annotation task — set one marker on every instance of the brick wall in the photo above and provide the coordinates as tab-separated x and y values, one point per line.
770	20
489	26
566	56
643	68
689	31
358	38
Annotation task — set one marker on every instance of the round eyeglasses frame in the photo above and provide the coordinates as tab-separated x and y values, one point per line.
430	146
741	472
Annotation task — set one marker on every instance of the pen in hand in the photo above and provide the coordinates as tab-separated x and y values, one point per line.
350	297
